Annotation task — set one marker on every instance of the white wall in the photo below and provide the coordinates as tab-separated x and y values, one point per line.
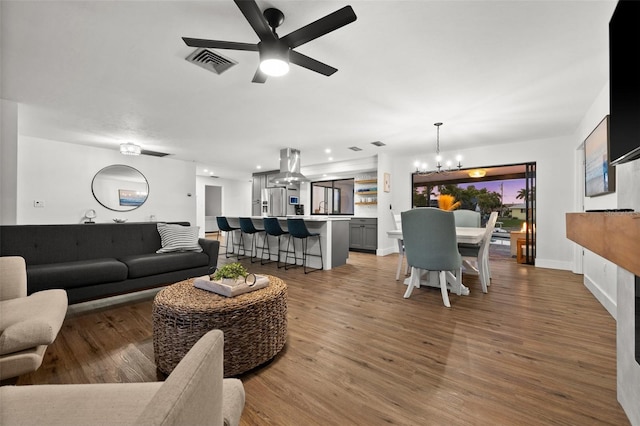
385	199
8	161
600	275
60	174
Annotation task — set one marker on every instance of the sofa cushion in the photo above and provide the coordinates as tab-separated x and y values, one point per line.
75	274
178	238
158	263
27	322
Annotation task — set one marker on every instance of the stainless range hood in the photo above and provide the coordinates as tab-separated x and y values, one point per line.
289	168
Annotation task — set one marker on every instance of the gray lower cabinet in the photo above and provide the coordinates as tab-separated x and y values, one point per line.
363	234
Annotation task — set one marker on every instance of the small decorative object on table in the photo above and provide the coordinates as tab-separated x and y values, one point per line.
90	214
447	202
231	280
116	220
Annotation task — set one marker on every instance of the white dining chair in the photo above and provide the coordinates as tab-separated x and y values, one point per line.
475	257
397	222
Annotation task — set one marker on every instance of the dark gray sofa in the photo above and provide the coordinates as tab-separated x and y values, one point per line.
91	261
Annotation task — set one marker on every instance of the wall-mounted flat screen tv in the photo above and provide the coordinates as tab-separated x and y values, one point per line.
599	175
624	82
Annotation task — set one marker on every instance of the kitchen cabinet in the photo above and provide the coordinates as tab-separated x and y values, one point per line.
363	234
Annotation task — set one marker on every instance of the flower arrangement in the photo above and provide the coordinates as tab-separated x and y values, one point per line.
448	202
230	271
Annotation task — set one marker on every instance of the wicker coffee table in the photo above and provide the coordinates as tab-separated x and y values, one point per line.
254	324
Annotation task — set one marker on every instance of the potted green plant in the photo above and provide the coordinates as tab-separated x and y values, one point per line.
230	273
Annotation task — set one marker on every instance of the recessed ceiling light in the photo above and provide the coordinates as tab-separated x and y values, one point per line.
330	158
205	170
130	149
258	166
327	150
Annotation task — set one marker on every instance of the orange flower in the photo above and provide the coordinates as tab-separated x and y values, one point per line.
448	202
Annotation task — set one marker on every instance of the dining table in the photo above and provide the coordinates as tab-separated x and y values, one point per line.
464	234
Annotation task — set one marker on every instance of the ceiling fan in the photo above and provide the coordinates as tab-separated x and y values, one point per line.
276	52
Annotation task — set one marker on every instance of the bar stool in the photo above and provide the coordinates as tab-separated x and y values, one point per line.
223	225
298	229
247	227
272	227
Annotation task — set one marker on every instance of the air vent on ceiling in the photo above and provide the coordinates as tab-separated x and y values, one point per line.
153	153
210	61
378	143
355	148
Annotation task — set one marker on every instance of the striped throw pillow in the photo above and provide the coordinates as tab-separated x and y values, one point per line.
178	238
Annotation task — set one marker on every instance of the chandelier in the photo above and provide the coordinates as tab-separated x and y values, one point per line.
423	168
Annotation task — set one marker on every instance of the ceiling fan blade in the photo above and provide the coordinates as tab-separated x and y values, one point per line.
310	63
322	26
259	76
253	14
217	44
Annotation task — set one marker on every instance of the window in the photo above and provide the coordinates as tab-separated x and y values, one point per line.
507	189
332	197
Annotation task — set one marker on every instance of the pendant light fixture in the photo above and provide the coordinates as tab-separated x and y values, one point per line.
423	169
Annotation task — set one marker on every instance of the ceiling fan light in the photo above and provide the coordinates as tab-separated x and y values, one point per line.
274	67
274	60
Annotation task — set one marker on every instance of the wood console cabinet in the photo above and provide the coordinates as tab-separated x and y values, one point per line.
614	236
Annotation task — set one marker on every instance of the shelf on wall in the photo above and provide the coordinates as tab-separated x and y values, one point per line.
366	202
367	193
367	181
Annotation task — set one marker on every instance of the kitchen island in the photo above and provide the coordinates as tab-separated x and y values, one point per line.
334	235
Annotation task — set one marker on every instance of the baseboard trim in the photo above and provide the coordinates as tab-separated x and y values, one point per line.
554	264
601	296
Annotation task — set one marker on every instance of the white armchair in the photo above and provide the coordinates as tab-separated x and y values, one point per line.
28	324
194	394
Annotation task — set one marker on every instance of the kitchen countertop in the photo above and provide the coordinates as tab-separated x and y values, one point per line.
315	218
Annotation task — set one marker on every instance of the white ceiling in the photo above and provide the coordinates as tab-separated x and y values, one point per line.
105	72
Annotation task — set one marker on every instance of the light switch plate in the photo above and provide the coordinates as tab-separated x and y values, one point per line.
38	203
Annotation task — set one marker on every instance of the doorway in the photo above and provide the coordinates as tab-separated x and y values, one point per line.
507	189
212	208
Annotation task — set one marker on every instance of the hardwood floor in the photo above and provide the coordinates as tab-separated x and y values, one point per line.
537	349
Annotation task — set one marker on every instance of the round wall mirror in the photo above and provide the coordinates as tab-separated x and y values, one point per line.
120	188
